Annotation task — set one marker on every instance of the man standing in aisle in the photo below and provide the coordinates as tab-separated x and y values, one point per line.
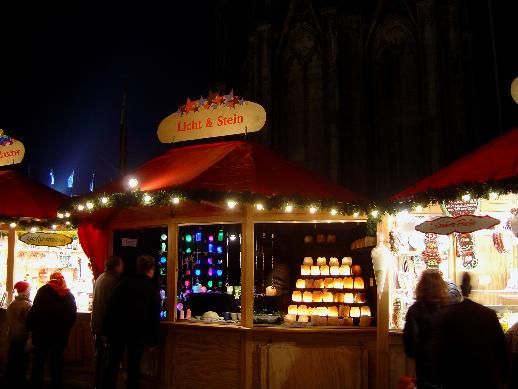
473	353
103	289
130	322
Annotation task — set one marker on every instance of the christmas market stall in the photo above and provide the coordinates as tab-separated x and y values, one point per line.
463	218
263	267
34	242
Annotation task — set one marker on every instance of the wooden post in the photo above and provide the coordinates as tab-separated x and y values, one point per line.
11	242
247	294
382	328
172	270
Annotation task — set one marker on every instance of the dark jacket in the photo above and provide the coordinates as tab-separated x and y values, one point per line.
133	312
51	317
17	313
103	289
421	338
474	353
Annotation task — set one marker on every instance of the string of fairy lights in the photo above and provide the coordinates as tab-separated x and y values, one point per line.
77	208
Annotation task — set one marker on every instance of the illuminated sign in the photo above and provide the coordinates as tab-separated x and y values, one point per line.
45	239
215	116
464	224
11	150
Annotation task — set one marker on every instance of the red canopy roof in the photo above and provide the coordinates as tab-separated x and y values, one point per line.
496	161
235	166
24	197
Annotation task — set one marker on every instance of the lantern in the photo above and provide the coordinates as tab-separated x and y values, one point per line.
347	261
365	321
317	297
354	312
292	309
358	283
305	270
339	284
332	311
324	270
327	297
300	284
365	311
308	261
321	261
307	297
309	283
345	270
348	298
348	282
333	261
302	310
271	290
315	270
339	298
334	270
296	296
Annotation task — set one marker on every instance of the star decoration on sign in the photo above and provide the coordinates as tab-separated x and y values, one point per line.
213	101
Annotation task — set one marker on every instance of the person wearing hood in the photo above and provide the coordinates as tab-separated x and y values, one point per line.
50	319
16	367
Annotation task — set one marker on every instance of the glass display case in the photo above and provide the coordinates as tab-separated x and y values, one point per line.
209	273
35	264
490	255
308	275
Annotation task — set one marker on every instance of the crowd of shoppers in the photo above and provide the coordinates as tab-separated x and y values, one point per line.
125	318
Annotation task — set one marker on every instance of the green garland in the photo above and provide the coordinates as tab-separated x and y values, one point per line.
373	210
475	190
25	223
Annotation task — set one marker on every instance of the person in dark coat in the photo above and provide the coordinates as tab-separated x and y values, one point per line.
421	335
131	322
103	289
50	319
473	352
17	311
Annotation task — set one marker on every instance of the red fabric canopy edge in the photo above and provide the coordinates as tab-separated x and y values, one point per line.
493	162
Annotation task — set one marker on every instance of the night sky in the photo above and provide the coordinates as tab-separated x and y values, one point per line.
63	71
63	74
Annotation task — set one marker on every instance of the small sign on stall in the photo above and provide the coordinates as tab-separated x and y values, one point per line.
127	242
464	224
11	150
214	116
45	239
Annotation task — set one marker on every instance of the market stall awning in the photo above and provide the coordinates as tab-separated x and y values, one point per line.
496	162
235	166
24	197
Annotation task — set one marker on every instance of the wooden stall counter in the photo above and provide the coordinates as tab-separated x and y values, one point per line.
265	357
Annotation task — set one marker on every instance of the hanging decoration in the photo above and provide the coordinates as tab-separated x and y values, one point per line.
498	242
381	258
431	254
465	250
